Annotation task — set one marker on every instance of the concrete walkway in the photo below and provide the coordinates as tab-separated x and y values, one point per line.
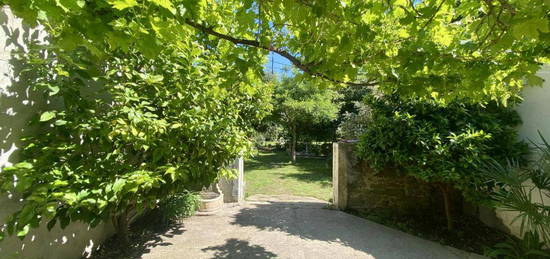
291	227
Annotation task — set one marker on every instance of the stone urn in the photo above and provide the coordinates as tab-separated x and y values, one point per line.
211	200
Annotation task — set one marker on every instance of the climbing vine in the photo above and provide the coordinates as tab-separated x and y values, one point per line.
127	132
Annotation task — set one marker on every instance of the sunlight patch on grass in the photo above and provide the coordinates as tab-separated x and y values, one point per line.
272	173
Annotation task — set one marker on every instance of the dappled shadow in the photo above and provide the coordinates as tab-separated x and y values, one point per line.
19	103
144	236
267	160
235	248
312	221
311	170
309	177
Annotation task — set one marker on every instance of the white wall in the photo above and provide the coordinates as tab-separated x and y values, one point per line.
535	113
17	104
535	109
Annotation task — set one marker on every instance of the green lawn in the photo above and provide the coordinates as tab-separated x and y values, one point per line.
273	173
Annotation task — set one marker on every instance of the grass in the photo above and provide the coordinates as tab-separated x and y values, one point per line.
272	173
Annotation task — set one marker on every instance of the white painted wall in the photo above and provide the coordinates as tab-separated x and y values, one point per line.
535	113
535	109
17	104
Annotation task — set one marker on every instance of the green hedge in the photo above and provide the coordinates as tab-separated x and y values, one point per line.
437	142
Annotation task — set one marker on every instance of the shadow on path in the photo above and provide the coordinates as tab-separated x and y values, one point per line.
312	221
144	237
280	228
237	249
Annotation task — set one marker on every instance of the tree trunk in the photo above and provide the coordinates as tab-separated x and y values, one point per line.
122	228
293	145
447	202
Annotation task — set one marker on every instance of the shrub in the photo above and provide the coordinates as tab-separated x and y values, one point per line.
178	206
523	190
354	124
439	143
151	128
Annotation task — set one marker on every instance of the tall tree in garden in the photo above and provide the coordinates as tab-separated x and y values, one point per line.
443	48
300	103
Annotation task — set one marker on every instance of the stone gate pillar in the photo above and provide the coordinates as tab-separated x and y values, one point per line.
233	189
340	153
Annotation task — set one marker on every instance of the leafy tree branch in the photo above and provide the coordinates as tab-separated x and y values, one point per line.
306	68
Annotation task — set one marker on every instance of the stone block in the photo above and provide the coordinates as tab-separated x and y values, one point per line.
357	186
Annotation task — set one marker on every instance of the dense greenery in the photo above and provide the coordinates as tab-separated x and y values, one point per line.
304	110
523	190
127	134
445	48
353	115
177	207
158	95
437	143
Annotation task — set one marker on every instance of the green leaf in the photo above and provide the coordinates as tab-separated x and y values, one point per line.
122	4
51	224
172	172
154	79
23	232
46	116
68	5
165	4
118	185
64	221
24	165
530	28
53	90
82	194
69	198
60	122
534	80
176	125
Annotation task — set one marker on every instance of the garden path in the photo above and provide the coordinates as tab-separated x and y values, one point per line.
291	227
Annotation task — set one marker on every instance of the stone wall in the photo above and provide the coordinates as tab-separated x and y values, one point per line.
358	187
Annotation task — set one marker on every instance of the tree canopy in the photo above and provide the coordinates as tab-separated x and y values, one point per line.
300	105
441	48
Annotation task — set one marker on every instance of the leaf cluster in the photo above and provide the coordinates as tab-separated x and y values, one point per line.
126	132
439	143
445	48
524	190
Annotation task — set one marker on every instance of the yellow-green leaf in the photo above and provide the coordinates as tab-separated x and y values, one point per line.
23	232
165	4
47	116
122	4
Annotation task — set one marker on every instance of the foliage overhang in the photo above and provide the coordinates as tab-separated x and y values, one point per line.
443	48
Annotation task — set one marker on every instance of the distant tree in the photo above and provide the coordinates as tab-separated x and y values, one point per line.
299	104
353	115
